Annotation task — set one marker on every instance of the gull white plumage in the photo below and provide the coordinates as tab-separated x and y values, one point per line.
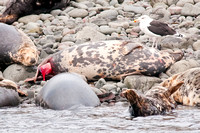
154	28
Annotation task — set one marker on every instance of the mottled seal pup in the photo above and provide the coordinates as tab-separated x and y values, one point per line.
16	47
189	92
18	8
65	91
108	59
155	102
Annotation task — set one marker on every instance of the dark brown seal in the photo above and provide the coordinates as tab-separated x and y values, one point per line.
16	47
18	8
155	102
108	59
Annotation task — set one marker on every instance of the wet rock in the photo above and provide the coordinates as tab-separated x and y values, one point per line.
29	18
196	45
90	34
17	72
181	66
141	83
75	13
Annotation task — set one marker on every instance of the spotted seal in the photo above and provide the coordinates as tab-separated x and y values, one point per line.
66	90
18	8
156	101
189	92
108	59
16	47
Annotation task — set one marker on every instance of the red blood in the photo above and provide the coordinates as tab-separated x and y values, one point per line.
45	70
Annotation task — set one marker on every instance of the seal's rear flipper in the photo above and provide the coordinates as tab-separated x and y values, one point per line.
173	89
128	47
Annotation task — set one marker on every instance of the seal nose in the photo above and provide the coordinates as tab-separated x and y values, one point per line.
32	60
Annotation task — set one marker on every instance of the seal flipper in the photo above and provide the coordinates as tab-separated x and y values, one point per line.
128	47
172	89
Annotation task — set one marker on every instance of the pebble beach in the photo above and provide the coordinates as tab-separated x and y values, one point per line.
97	20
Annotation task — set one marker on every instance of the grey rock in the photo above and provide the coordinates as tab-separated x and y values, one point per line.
181	66
170	42
109	14
91	34
100	83
113	2
121	85
78	5
116	24
107	30
133	8
56	12
69	37
44	17
183	2
109	87
29	18
96	90
190	10
16	72
32	27
175	10
102	2
47	39
78	13
64	45
141	83
99	21
196	45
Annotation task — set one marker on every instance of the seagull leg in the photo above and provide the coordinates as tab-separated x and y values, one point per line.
154	42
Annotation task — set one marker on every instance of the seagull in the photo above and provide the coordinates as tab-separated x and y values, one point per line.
154	28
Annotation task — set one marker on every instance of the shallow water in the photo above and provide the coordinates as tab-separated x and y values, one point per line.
29	118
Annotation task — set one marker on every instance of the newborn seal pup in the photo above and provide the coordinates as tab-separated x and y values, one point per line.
111	60
18	8
156	101
16	47
189	92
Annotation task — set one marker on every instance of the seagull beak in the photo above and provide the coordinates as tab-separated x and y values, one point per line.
135	21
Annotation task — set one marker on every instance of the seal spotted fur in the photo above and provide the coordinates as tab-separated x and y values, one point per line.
155	102
17	47
189	92
108	59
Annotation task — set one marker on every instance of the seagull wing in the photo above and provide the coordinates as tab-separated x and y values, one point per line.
161	28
